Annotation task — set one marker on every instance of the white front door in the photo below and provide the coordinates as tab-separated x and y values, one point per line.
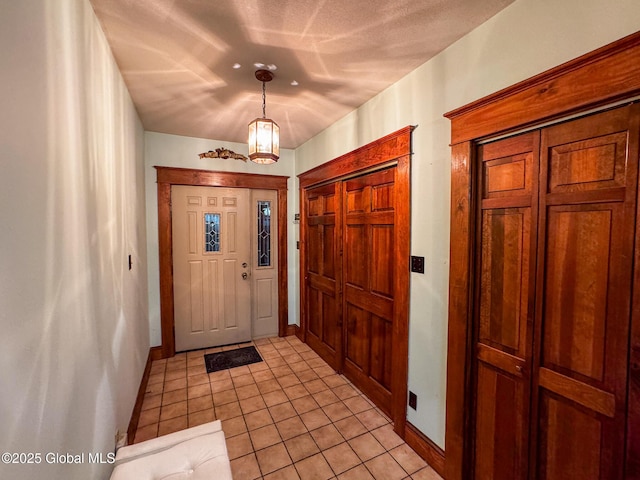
211	266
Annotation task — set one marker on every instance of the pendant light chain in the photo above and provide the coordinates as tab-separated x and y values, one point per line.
264	100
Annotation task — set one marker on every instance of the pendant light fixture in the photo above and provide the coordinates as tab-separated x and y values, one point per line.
264	133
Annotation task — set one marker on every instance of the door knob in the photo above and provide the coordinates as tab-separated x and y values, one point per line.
244	275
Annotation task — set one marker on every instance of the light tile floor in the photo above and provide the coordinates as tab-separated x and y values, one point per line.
288	417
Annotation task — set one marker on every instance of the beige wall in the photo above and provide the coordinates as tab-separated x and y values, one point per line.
75	335
526	38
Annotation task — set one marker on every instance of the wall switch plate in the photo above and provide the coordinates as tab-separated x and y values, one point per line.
413	400
417	264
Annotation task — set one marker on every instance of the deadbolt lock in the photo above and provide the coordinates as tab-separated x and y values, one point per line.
244	265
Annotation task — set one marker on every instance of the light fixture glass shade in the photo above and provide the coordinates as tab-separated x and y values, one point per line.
264	141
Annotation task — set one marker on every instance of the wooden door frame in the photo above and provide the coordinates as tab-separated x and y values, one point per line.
395	147
169	176
603	77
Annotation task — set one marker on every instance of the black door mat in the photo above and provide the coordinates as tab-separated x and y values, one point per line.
231	359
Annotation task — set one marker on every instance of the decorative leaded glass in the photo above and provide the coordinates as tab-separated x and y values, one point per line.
212	232
264	233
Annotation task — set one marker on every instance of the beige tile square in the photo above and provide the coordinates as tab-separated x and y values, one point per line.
173	410
199	390
324	371
334	381
156	378
234	426
222	385
252	404
239	446
304	404
273	458
357	473
228	410
197	379
341	458
300	367
296	391
314	468
276	362
281	371
387	437
282	411
200	403
243	380
257	419
315	386
263	376
151	401
427	473
146	433
174	396
154	389
345	391
408	459
327	437
265	437
203	416
291	427
246	468
371	419
291	358
309	355
199	369
239	371
148	417
274	398
227	396
307	374
357	404
247	391
337	411
288	380
384	466
157	368
325	397
316	362
173	425
175	384
258	367
286	473
315	419
350	427
219	375
366	447
175	375
302	446
269	386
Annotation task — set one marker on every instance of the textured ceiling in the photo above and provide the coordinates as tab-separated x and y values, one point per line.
177	57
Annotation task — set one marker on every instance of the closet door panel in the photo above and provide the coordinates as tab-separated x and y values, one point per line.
584	296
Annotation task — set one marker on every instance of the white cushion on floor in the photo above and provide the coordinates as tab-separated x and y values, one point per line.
165	441
201	458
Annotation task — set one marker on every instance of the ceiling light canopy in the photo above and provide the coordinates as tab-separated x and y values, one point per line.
264	133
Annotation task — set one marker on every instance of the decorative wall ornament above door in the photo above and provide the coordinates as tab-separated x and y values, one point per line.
223	153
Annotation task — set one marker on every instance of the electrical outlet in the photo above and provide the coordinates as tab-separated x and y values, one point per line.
413	400
417	264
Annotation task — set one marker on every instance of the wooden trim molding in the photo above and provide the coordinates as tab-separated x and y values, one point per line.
395	147
155	353
423	446
169	176
605	76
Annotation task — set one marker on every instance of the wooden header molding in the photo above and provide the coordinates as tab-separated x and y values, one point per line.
605	76
600	77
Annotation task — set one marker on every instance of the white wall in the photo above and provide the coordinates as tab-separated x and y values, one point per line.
75	334
178	151
526	38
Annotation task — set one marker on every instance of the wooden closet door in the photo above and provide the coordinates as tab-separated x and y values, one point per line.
585	254
368	262
503	321
322	276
